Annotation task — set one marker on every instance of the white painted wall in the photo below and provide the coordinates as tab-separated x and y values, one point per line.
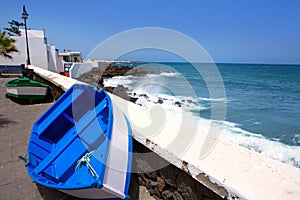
41	54
80	68
53	60
18	58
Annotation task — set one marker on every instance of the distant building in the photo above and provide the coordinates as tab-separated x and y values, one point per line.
69	59
71	56
42	54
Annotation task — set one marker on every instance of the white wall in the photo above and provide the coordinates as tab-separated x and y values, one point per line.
20	57
53	60
41	54
80	68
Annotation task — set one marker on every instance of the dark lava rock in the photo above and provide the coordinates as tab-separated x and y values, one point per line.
160	184
112	71
121	92
177	103
160	101
177	196
144	95
167	194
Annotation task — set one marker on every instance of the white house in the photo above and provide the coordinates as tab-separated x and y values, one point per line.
42	54
71	56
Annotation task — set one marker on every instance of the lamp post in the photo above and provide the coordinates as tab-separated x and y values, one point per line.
25	17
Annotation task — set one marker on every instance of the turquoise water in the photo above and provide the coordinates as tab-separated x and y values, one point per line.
265	99
262	101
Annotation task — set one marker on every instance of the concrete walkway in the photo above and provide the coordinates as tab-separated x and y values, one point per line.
16	120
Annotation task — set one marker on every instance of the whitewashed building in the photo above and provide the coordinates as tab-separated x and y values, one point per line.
71	56
42	54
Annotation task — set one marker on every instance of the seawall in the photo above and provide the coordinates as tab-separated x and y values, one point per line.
228	171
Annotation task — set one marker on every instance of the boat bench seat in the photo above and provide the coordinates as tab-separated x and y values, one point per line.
72	147
71	138
59	148
54	112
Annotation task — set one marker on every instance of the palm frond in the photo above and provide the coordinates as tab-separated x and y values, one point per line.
7	46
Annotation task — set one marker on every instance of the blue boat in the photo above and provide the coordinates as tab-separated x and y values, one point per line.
82	145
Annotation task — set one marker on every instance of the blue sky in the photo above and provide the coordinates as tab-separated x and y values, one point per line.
247	31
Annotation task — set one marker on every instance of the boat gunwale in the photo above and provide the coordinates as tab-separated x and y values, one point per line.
29	83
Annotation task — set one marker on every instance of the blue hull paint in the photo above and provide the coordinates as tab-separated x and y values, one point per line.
78	123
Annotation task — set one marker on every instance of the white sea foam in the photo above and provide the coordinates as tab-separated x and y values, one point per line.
152	75
126	81
163	74
118	80
170	102
296	139
170	74
211	99
257	142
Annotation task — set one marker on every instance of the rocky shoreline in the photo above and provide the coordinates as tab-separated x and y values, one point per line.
97	76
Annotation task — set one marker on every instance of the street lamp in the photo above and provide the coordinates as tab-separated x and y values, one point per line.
25	17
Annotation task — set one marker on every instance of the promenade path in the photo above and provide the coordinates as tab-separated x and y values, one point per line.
16	120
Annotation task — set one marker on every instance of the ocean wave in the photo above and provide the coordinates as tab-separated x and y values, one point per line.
119	80
126	81
212	99
296	139
170	74
170	102
272	147
152	75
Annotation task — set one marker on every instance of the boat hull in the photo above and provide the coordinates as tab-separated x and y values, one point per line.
82	146
25	88
27	92
91	193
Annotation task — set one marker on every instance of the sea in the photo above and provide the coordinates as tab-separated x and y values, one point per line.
262	101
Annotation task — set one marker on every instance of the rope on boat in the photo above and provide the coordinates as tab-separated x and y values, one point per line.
98	88
86	160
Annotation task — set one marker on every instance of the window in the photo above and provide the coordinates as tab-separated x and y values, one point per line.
66	58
